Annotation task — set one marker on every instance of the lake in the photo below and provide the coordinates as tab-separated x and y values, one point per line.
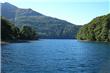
56	56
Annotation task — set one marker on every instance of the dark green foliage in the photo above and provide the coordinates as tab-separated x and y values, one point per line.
27	33
6	30
98	29
9	32
16	32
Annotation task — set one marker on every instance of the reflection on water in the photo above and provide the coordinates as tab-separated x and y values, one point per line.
56	56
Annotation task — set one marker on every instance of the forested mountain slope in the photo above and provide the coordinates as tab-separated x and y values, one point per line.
97	30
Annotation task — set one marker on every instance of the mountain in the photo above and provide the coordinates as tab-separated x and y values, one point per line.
47	27
97	30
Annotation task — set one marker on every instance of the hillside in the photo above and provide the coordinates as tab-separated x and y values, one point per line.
47	27
12	33
97	30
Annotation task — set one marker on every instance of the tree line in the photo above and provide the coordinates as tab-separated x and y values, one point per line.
10	32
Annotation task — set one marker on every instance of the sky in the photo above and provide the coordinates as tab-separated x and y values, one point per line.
78	12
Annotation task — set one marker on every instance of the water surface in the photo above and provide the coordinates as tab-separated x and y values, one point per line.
56	56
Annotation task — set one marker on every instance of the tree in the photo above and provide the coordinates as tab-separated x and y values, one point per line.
6	30
27	33
16	32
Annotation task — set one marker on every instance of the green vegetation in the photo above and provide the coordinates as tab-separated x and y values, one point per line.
27	33
9	32
97	30
6	30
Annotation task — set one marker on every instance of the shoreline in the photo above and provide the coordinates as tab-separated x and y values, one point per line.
22	41
93	41
3	42
14	41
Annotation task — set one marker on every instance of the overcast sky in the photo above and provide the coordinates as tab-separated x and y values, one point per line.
75	11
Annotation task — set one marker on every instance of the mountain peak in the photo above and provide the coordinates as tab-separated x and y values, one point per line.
8	5
22	12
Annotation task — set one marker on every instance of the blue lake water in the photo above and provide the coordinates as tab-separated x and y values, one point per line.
56	56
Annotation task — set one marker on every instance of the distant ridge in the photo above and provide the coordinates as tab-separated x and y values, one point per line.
47	27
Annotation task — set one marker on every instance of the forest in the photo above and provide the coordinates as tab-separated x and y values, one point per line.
97	30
